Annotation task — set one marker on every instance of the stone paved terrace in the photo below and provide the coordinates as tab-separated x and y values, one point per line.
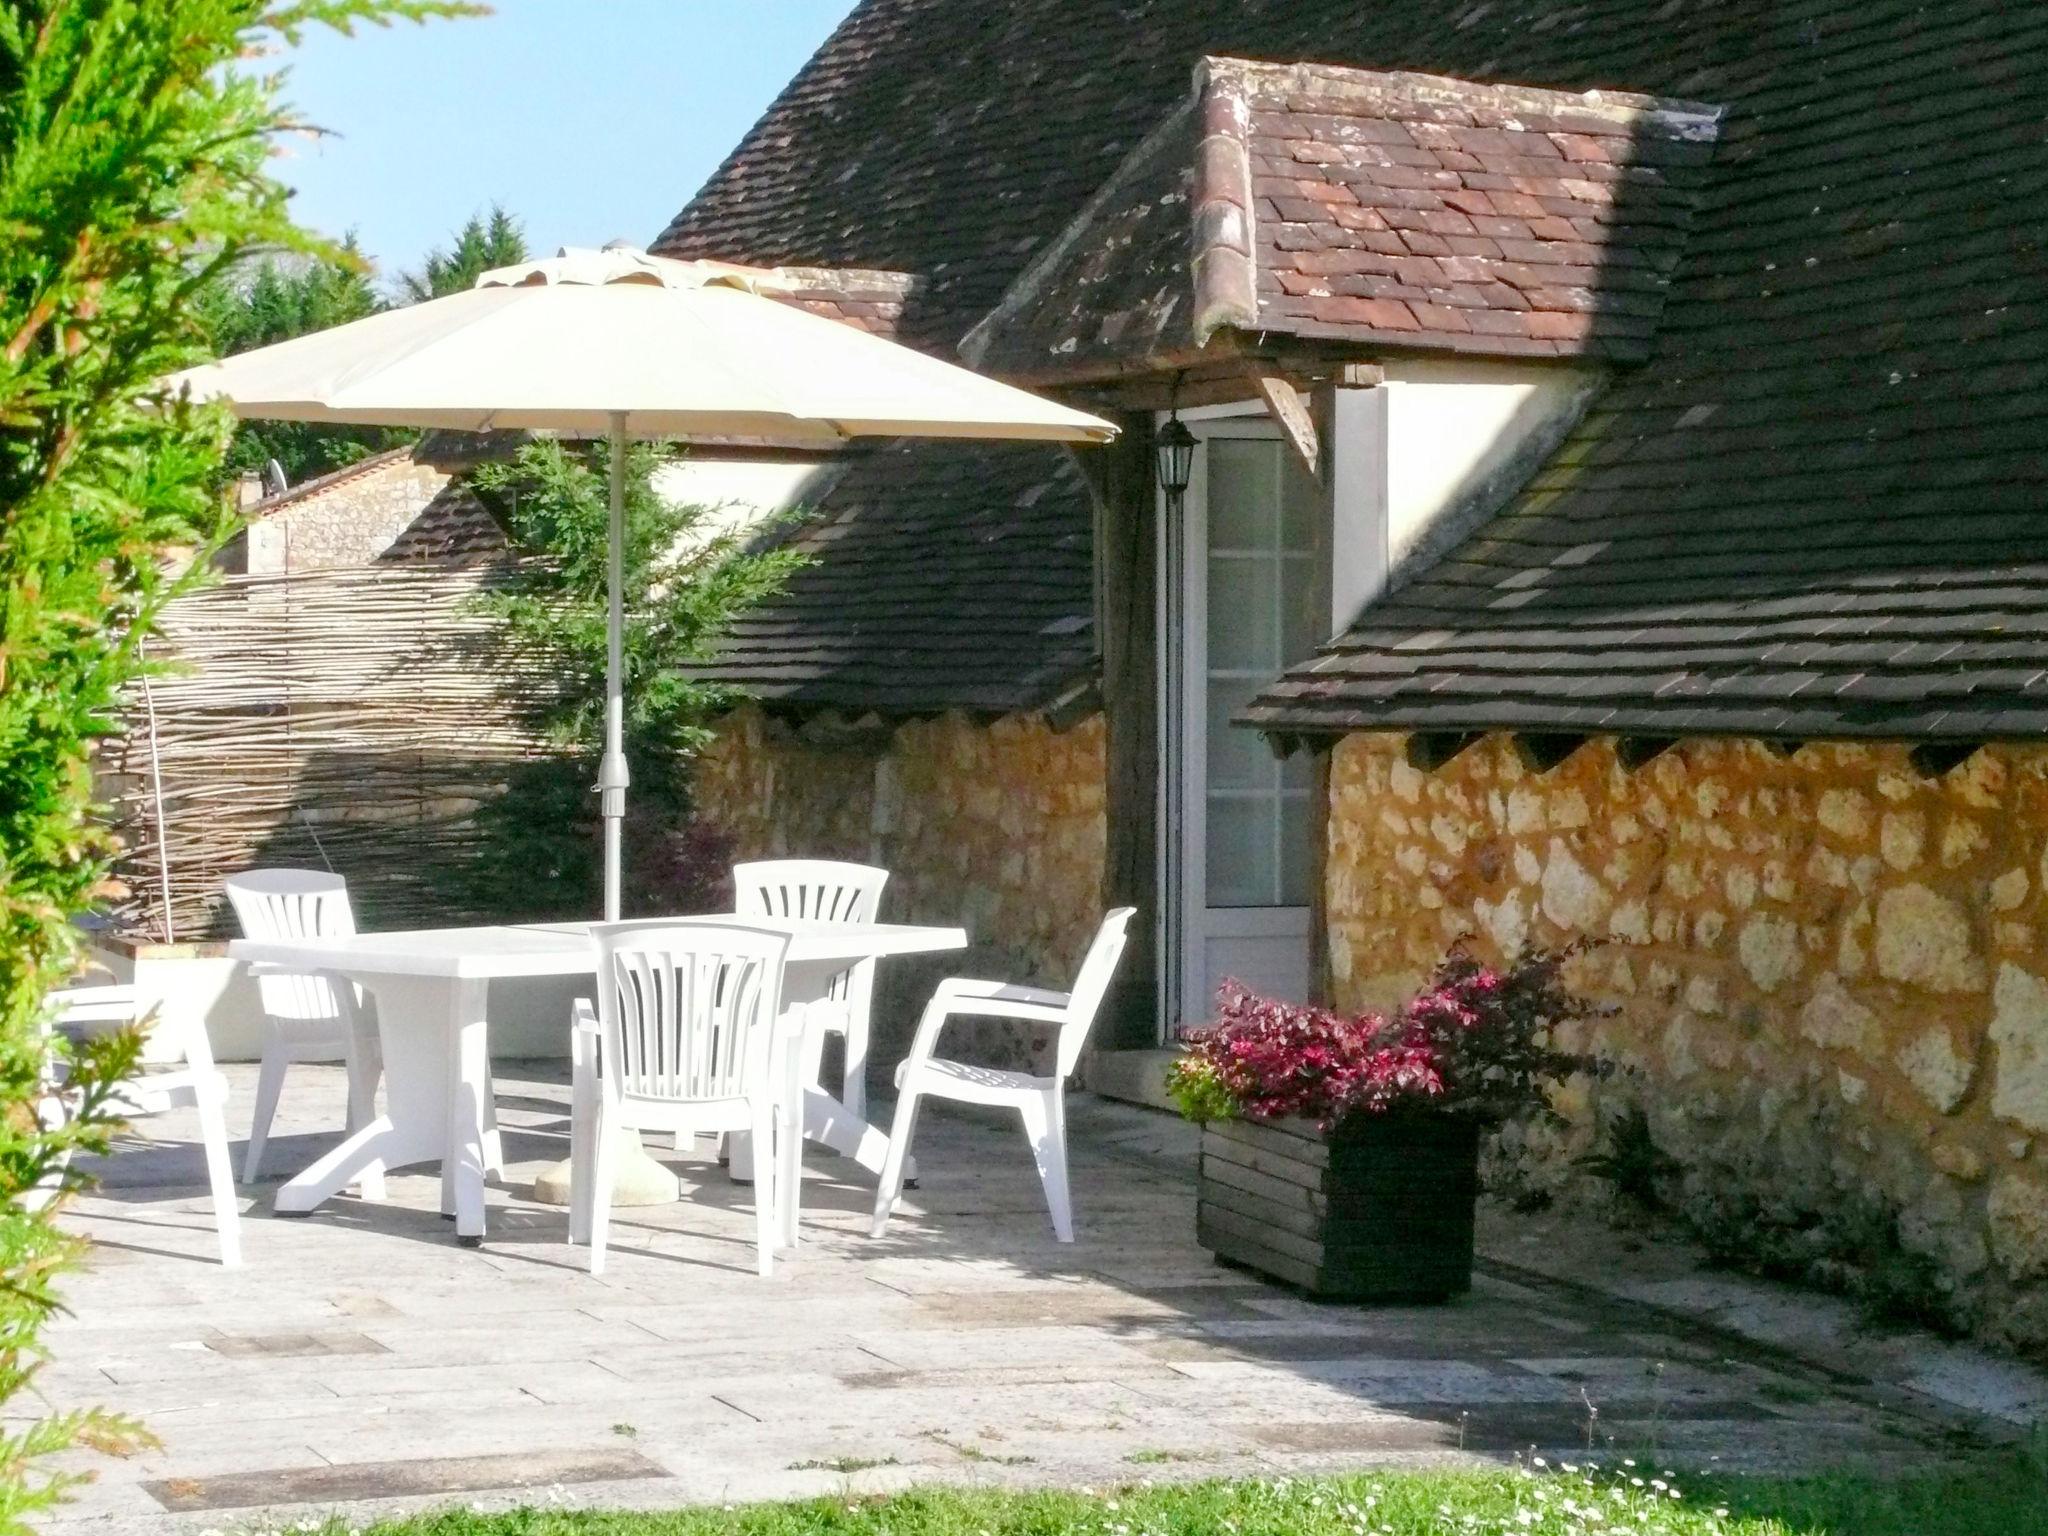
363	1360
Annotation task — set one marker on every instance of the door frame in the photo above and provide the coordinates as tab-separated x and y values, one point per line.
1183	790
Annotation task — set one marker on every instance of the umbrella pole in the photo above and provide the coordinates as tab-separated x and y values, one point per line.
611	774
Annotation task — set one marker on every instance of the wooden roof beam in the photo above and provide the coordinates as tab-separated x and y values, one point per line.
1292	417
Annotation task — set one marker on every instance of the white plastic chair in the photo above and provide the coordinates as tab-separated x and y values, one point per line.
177	1072
682	1040
307	1016
824	890
1040	1100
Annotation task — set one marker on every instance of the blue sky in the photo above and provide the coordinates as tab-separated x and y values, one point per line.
591	120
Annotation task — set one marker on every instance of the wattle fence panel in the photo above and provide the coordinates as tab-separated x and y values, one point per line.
350	719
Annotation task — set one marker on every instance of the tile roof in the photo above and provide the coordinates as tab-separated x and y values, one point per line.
453	528
1841	413
1114	292
868	301
955	140
1386	210
947	576
1822	509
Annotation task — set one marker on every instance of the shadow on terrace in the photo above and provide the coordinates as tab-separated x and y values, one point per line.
360	1344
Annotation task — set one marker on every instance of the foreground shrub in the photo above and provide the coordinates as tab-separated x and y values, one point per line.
133	141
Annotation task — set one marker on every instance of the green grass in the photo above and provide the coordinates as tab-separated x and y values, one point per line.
2006	1497
1162	1458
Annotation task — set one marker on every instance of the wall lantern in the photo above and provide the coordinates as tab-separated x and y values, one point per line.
1175	447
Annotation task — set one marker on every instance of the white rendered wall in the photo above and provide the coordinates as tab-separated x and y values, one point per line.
738	493
1459	431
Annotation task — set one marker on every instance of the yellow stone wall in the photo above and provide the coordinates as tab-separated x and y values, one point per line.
1828	970
997	827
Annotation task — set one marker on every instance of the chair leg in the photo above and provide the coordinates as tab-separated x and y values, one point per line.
227	1214
1045	1122
269	1081
583	1111
900	1131
603	1167
789	1142
767	1214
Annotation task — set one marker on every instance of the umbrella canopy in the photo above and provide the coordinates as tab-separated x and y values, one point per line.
680	349
621	344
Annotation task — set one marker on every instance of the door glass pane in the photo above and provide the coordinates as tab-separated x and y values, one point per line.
1238	759
1300	504
1262	510
1300	633
1243	851
1244	611
1241	494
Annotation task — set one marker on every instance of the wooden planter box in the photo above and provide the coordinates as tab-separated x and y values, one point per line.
1378	1210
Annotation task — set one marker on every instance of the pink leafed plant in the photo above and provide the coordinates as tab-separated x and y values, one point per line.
1475	1040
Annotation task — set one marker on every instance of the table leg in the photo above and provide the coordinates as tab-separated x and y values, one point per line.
825	1118
831	1122
413	1127
362	1158
469	1087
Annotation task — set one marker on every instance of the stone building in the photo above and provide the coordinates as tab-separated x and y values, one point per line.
410	505
1618	497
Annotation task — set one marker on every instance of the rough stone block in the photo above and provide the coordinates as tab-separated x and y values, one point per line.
1923	939
2019	1028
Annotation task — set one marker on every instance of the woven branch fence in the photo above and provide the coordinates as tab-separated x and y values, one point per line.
350	719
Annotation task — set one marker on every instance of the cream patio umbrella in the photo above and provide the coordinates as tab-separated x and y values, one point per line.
620	344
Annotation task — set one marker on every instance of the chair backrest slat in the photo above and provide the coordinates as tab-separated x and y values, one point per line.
294	904
687	1008
1091	984
816	890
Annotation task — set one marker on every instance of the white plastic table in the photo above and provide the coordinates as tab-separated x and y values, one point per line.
430	985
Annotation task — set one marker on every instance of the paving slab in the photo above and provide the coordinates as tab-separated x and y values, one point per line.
365	1364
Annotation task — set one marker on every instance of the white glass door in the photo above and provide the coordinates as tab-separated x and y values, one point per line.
1251	560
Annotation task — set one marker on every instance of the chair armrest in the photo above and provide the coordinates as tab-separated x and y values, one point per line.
1000	1000
966	997
582	1016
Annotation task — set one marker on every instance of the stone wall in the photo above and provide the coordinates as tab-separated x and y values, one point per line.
997	828
1828	973
350	520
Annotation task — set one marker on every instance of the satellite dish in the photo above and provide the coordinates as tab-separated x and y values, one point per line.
273	479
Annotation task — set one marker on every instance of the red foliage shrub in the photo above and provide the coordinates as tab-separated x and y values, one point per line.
1475	1040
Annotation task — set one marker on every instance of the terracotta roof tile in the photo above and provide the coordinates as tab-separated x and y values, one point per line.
867	300
1344	187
